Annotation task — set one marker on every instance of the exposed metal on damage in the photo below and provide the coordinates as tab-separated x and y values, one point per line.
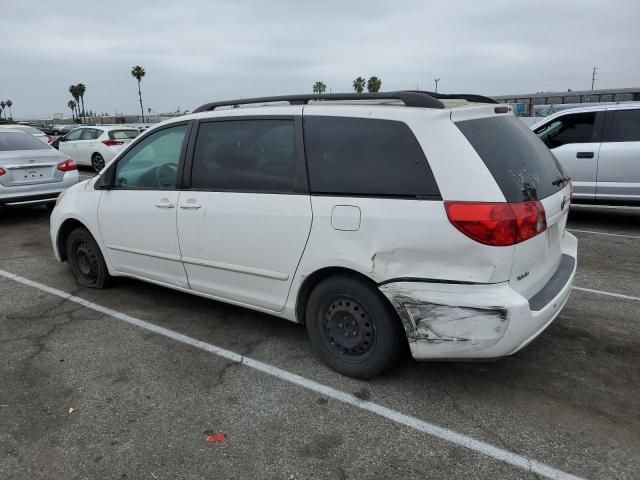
444	322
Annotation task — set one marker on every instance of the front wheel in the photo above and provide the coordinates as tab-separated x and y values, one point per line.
86	260
97	162
352	327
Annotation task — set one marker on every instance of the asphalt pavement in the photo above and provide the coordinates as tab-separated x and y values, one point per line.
87	394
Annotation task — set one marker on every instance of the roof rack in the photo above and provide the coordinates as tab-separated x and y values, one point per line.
411	98
469	97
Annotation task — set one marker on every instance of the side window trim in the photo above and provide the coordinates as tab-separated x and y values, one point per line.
301	183
109	174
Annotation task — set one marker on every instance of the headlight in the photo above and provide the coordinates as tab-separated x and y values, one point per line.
59	198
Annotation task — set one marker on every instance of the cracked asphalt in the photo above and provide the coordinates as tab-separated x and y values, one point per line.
145	403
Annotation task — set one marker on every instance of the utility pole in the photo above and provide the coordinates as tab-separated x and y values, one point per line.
593	77
436	80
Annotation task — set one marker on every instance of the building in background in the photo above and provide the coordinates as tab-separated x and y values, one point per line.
545	103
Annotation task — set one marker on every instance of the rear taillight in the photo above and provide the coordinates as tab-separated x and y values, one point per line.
497	224
2	171
67	165
112	143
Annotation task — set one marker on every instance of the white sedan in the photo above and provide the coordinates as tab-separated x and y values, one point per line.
96	146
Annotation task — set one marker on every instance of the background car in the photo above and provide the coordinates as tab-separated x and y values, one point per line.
95	146
39	134
599	147
31	172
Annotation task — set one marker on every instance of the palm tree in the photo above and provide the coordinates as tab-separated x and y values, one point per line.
319	88
359	84
10	104
81	89
73	90
72	105
138	72
374	84
1	109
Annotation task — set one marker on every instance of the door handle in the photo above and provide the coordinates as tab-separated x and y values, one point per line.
165	205
190	206
584	155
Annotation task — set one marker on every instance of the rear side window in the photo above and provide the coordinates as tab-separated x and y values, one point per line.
20	141
91	134
362	156
521	164
573	128
622	126
123	134
245	155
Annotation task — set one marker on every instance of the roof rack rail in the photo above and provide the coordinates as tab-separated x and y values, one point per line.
409	98
469	97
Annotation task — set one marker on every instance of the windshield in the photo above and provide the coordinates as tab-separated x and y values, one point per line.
20	141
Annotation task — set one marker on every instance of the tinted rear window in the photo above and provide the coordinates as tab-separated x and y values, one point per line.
20	141
123	134
521	164
361	156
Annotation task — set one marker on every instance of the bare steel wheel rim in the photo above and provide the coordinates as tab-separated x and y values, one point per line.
347	328
87	261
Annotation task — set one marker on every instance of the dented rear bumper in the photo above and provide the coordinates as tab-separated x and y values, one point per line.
475	321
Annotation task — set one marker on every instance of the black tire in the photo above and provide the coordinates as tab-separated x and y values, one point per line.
353	328
97	162
86	260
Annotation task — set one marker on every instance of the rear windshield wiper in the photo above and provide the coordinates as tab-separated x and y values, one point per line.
561	181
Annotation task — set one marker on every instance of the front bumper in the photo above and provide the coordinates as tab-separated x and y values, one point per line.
471	321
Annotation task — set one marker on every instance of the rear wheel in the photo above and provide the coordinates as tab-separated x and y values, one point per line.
86	260
352	327
97	162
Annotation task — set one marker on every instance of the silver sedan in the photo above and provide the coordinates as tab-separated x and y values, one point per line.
31	172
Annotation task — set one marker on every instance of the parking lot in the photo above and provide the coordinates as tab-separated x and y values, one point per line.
131	385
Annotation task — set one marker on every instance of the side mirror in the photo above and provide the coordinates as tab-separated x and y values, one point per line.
106	180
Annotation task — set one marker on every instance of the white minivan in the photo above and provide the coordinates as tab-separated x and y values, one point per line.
379	221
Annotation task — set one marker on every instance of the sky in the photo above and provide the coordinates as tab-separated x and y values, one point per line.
196	51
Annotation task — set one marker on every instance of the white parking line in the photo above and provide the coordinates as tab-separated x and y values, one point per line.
610	294
603	233
520	461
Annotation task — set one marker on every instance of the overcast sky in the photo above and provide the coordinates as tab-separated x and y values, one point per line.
199	51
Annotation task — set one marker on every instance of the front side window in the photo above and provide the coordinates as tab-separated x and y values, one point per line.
622	126
361	156
245	155
153	162
573	128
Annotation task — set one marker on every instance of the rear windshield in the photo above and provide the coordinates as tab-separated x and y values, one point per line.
26	129
123	134
20	141
522	165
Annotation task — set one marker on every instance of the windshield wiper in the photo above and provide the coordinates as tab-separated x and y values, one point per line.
561	181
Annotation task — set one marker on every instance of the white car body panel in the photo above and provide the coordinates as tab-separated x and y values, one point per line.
82	151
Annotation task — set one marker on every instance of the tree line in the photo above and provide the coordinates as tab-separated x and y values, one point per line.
373	85
4	105
77	91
